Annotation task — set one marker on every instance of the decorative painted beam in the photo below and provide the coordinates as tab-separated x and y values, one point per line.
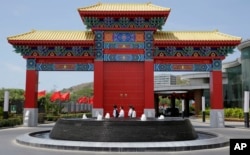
124	22
39	51
193	51
123	45
216	65
99	45
124	57
65	67
31	64
183	67
148	45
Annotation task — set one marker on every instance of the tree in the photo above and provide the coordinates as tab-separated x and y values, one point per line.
164	101
15	95
180	81
87	91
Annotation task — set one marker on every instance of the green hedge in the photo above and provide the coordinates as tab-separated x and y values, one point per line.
76	115
10	122
1	111
51	117
234	113
18	120
229	113
207	112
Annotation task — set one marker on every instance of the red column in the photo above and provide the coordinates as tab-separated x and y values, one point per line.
149	84
98	84
31	89
197	99
216	90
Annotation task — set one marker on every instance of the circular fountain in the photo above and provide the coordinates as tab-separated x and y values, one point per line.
123	130
123	135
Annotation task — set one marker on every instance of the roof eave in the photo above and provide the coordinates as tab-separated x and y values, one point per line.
123	13
197	42
52	42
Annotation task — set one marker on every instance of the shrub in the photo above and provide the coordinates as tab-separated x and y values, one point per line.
10	122
207	112
234	113
75	115
228	112
1	111
51	117
237	113
41	117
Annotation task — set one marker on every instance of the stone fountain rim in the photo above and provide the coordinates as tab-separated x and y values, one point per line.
216	142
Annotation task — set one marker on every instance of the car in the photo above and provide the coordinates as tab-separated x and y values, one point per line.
173	112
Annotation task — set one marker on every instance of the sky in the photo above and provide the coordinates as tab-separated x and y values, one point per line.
20	16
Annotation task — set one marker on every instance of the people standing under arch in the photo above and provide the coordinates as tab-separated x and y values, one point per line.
133	112
121	113
115	112
130	111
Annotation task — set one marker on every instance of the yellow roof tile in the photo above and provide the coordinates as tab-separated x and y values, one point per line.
193	36
158	36
55	35
124	7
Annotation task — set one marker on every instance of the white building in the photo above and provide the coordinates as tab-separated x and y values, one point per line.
164	80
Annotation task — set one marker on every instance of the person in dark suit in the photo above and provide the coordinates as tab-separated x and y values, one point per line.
115	112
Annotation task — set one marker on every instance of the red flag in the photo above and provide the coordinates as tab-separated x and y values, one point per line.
65	96
55	96
83	99
91	100
41	93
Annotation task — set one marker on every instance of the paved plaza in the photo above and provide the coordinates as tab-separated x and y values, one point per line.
10	147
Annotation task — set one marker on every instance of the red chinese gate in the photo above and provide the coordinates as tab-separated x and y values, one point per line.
124	48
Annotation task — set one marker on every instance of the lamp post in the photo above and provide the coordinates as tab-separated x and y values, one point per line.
203	109
6	105
246	108
182	107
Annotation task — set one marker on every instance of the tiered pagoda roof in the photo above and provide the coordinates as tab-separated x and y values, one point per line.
120	10
124	15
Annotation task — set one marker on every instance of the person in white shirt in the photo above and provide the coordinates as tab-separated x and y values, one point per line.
121	113
133	113
130	111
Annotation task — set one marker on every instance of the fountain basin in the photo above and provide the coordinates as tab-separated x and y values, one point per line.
123	130
205	140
